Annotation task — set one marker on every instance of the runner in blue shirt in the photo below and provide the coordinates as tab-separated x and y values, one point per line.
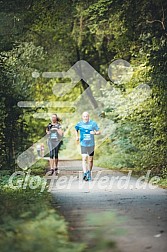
87	129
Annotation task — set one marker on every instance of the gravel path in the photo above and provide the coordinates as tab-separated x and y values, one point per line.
112	207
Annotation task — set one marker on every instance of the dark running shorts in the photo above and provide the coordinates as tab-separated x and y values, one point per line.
87	150
54	147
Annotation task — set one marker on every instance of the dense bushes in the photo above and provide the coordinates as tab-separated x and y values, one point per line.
28	222
98	32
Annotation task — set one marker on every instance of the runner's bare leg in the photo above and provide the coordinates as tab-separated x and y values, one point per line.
51	162
84	163
55	163
90	162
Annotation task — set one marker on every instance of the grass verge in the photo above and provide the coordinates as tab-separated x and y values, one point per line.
28	222
160	181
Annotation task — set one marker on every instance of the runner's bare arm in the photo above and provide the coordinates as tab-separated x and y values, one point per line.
47	131
77	135
60	131
97	132
94	132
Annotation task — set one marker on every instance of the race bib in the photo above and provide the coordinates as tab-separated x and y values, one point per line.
87	137
53	135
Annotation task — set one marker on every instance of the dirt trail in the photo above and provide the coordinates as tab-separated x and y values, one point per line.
140	211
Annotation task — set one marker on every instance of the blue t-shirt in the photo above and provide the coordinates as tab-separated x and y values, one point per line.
87	139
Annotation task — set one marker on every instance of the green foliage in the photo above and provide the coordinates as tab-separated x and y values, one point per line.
28	222
51	36
46	232
16	85
56	35
39	167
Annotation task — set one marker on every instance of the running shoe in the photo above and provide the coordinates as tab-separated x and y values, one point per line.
89	176
56	171
51	171
85	176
